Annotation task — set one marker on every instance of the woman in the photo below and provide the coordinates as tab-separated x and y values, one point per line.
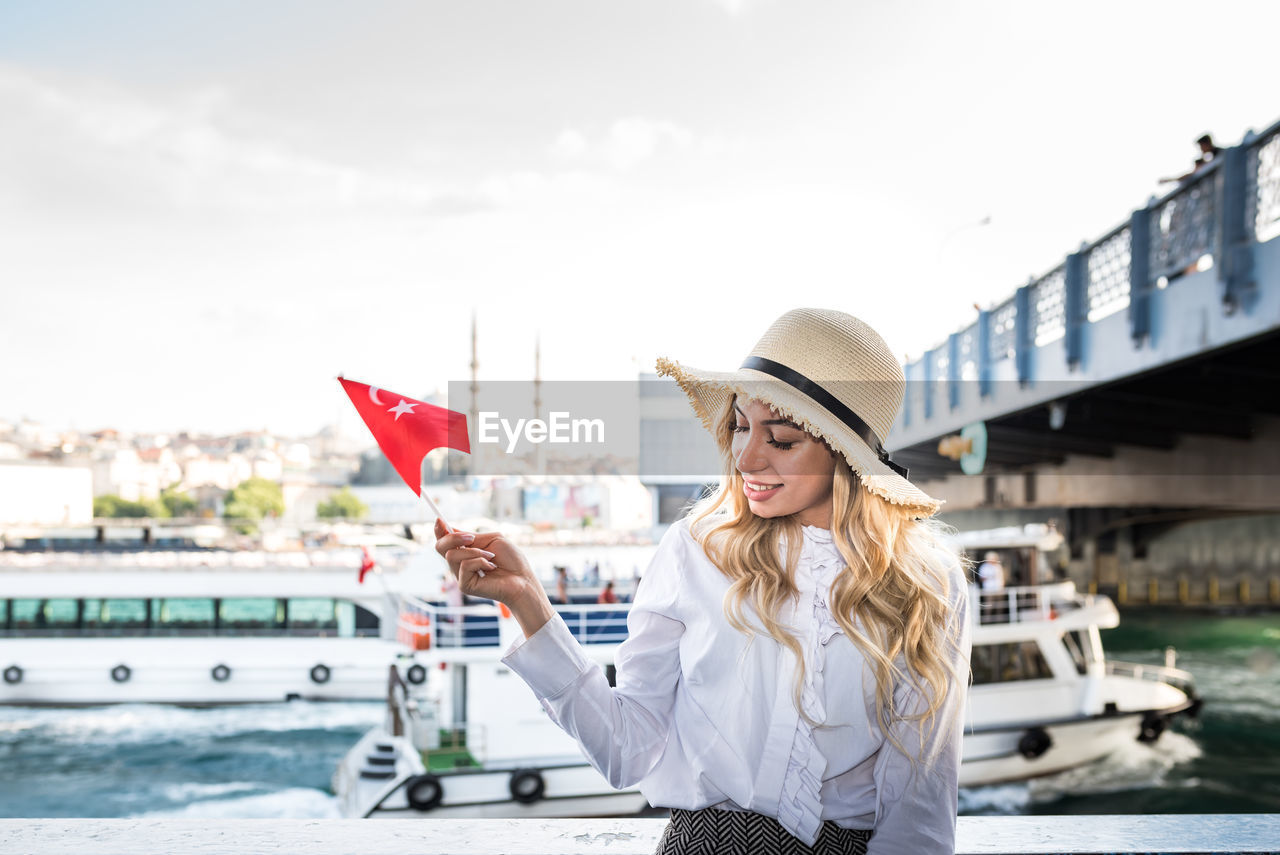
796	668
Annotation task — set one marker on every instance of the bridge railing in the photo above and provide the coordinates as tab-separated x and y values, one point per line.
1210	220
1263	191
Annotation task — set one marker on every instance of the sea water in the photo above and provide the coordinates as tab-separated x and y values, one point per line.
276	760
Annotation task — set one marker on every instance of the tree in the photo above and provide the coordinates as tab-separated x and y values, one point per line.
112	506
254	499
343	504
177	503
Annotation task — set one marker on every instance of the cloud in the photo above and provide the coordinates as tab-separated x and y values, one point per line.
733	7
87	148
629	142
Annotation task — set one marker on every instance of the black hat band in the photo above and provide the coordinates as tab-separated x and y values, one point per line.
850	419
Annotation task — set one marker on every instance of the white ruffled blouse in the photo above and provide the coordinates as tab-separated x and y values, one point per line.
704	716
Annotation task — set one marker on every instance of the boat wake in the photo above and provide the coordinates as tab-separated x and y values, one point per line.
294	803
1132	766
142	723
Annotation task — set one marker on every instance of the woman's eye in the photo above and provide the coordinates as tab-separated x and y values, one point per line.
776	443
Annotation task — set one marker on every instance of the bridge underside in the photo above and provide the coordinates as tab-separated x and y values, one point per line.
1201	433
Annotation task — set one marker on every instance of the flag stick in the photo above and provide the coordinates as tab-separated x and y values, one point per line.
436	511
440	516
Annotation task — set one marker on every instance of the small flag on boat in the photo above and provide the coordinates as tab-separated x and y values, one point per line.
366	564
407	429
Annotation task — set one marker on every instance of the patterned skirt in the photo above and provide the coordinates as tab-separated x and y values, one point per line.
711	831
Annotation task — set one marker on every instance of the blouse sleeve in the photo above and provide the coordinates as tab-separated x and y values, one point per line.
917	808
623	731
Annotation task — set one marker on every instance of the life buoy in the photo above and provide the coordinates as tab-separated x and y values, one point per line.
527	786
424	792
416	674
415	630
121	673
1035	742
1152	726
220	673
320	673
13	675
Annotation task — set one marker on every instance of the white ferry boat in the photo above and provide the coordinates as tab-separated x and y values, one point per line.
472	741
205	627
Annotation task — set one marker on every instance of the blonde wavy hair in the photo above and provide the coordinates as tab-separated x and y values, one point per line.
891	598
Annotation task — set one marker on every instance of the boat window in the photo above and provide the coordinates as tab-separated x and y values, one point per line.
114	614
251	613
367	623
26	613
1000	663
182	613
1080	646
4	613
61	613
307	613
346	614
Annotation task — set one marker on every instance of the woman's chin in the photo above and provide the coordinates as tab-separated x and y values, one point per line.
764	509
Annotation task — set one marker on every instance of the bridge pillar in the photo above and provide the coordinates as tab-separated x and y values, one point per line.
927	360
984	353
1140	276
1075	304
1024	333
953	371
1233	256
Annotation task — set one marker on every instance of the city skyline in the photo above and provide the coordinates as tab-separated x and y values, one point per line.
211	212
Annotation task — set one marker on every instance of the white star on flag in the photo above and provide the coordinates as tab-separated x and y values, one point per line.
401	408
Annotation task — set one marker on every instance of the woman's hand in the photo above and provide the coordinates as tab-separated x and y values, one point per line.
487	565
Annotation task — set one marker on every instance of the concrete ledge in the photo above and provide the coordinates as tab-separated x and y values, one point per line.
1174	833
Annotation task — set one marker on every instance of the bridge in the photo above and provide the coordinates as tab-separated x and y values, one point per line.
1130	393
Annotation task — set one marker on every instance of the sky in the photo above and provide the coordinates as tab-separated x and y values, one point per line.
210	210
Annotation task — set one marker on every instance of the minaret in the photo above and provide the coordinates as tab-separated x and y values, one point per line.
473	413
539	463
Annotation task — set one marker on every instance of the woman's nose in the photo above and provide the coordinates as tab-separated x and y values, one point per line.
750	454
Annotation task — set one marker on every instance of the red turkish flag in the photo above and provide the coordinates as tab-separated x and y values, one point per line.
407	429
366	564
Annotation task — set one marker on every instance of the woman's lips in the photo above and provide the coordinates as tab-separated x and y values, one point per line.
758	491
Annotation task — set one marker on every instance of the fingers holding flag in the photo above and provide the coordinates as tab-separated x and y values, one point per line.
488	565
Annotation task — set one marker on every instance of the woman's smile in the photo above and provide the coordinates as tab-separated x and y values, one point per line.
758	492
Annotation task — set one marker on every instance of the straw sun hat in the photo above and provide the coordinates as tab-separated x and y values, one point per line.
831	374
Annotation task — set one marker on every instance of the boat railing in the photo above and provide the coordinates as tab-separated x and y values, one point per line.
465	741
1020	604
426	625
1175	677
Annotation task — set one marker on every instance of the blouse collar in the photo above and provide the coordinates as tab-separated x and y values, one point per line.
818	550
817	535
